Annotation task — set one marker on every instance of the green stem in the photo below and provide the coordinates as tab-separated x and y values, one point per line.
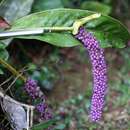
58	28
12	70
78	23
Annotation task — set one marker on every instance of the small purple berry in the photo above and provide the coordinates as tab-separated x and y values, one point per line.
41	107
31	88
99	70
34	92
44	110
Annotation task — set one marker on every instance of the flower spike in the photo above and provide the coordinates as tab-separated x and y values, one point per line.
99	70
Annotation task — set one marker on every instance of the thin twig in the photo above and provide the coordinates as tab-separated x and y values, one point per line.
13	82
6	81
3	120
12	69
20	74
7	124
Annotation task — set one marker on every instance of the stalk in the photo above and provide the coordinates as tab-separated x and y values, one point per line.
12	70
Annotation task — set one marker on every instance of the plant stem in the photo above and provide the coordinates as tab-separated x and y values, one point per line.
12	69
58	28
78	23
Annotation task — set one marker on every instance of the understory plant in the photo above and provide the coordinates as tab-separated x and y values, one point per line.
68	28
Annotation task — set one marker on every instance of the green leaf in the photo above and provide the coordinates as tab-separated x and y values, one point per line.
109	31
57	39
60	127
40	5
43	126
1	71
96	6
2	46
4	54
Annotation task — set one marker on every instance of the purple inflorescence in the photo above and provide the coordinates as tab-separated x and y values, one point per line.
31	88
44	110
99	70
34	92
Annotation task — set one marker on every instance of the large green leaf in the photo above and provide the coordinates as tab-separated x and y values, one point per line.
109	31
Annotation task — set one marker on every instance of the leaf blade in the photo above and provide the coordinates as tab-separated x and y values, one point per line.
106	26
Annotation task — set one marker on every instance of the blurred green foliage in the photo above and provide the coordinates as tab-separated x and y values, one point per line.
40	5
46	75
96	6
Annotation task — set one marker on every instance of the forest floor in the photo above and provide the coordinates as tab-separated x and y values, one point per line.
71	93
71	96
